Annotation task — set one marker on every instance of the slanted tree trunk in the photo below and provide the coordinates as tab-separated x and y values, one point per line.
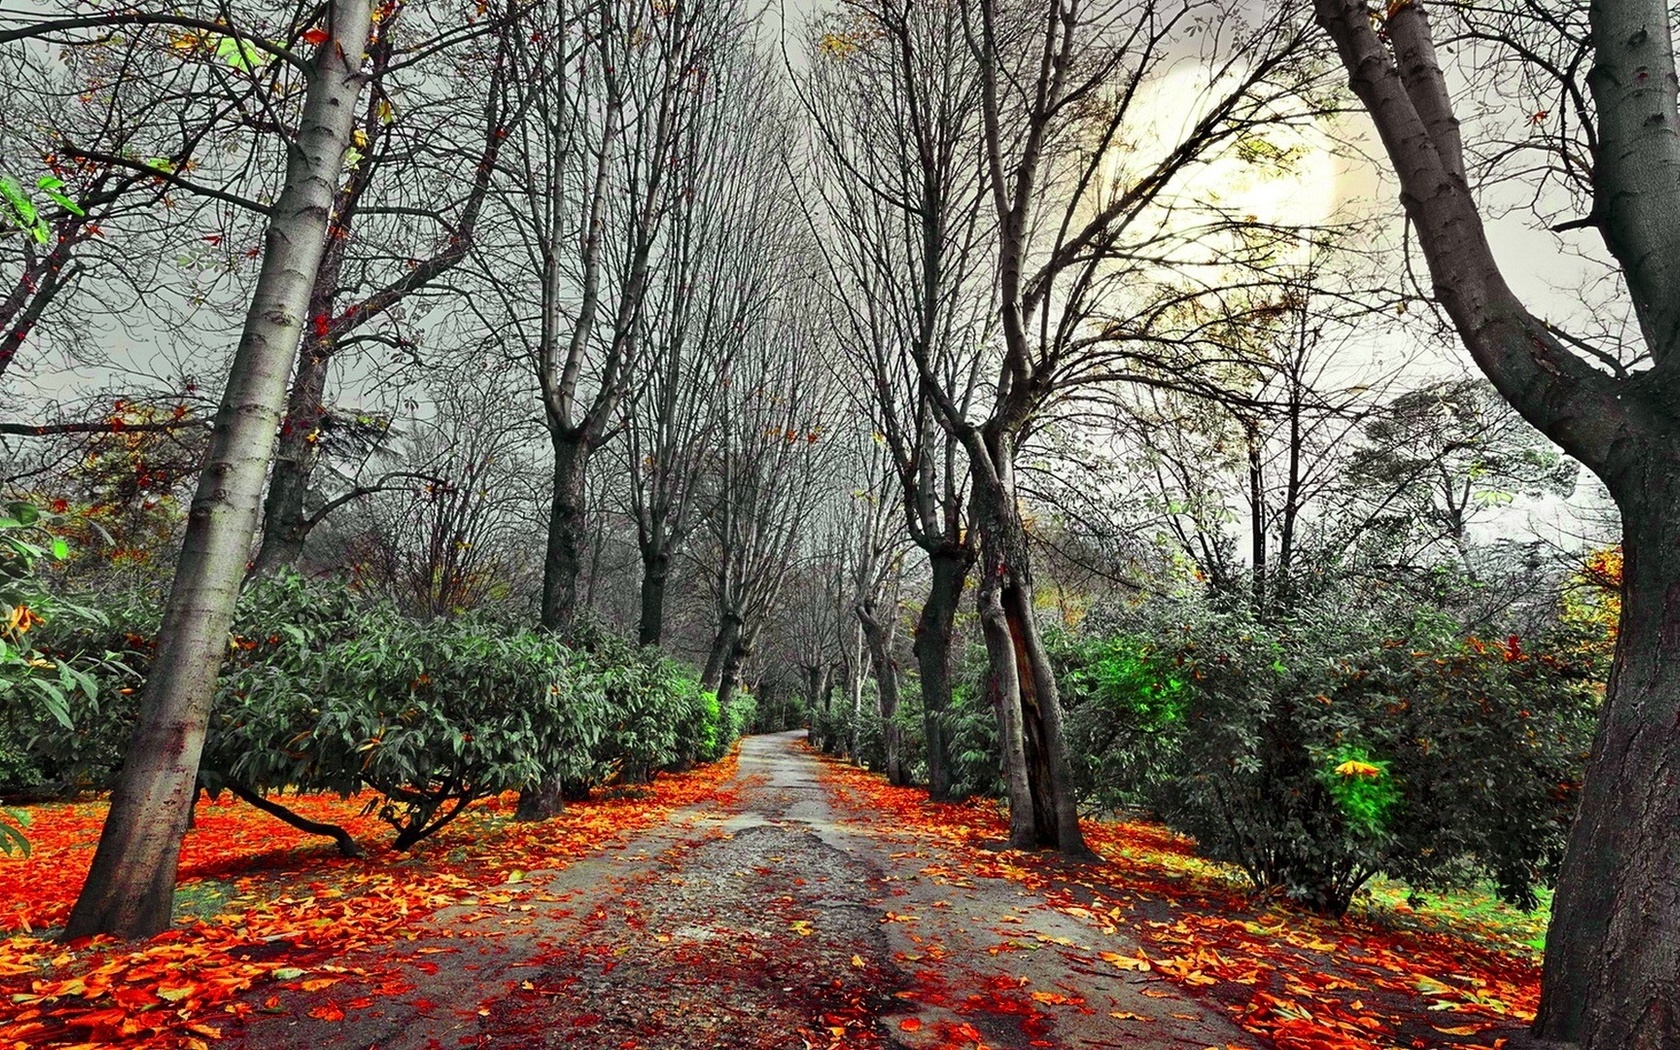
1612	966
130	888
567	529
935	631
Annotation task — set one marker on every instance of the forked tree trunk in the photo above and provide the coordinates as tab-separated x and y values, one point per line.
1042	813
1619	890
130	888
935	629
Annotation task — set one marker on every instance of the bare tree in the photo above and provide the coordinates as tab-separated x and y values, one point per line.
609	99
445	528
408	149
894	95
772	461
131	886
714	276
875	548
1081	242
1610	978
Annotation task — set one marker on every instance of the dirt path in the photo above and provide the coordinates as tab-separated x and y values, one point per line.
772	923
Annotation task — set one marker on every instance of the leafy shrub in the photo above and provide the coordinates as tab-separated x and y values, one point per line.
57	665
658	716
1125	703
323	692
1318	753
736	716
432	716
971	726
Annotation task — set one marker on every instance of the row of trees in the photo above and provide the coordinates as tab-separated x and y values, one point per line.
824	345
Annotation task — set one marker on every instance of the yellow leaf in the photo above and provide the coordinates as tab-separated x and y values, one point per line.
1354	768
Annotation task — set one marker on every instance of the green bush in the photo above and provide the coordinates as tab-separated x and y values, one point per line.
323	692
1125	704
1318	753
432	716
61	665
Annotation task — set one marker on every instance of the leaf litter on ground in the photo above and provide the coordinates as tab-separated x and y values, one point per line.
262	903
1300	981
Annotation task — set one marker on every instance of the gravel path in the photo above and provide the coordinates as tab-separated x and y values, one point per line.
772	923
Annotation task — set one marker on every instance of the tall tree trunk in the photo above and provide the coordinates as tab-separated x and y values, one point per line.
724	644
1612	964
1618	896
567	525
562	565
285	525
131	886
656	573
1042	813
935	629
878	637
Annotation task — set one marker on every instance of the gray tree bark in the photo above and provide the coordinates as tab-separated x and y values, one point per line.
130	888
935	629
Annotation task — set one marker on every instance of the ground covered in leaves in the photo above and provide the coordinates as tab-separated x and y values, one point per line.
792	902
1300	982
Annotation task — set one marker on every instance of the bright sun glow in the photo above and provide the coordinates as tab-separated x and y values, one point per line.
1288	177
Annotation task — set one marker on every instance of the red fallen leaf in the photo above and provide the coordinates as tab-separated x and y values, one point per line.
425	1006
328	1011
910	1024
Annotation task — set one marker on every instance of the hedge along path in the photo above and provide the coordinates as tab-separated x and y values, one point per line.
1159	919
268	908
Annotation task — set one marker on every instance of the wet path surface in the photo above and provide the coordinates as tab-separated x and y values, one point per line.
774	922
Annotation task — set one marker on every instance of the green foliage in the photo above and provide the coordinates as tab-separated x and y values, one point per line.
1317	753
55	660
1115	689
12	838
1362	787
323	692
432	715
737	715
976	768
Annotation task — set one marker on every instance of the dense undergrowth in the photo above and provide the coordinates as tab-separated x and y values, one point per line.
1313	754
325	692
